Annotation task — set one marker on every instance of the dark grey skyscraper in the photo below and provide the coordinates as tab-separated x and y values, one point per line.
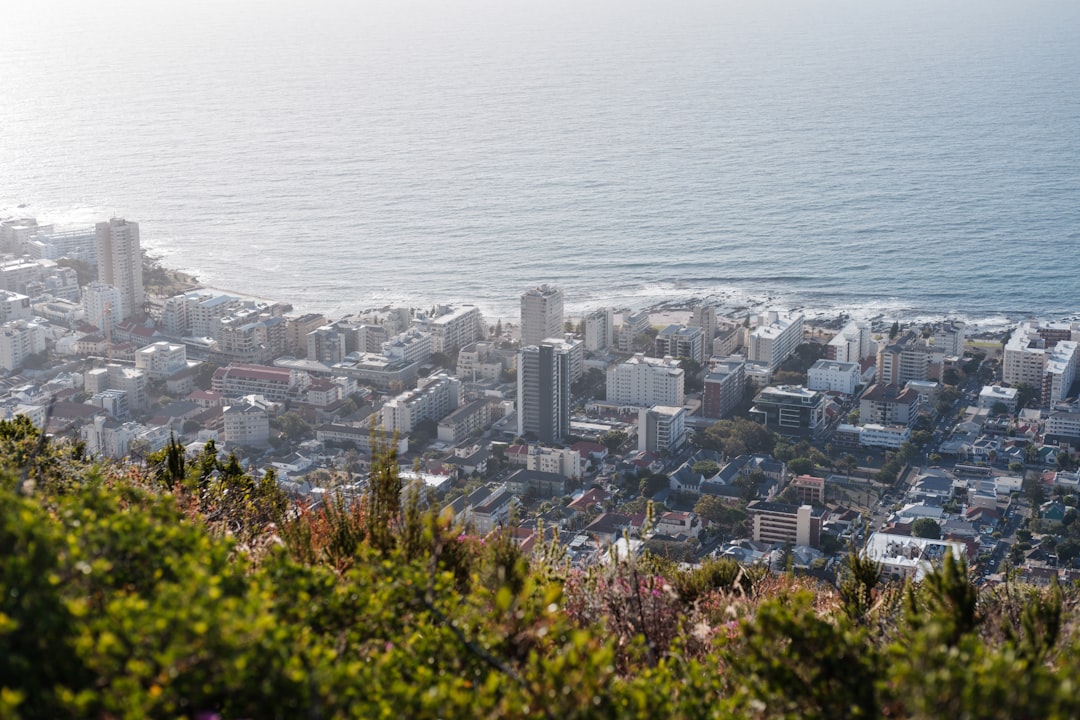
544	392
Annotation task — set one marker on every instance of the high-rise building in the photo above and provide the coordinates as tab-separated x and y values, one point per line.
775	338
544	392
600	330
541	314
120	263
644	382
1043	356
101	305
705	318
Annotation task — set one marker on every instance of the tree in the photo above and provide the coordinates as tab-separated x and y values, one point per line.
999	408
800	466
926	527
894	330
1027	395
739	437
294	426
653	483
613	440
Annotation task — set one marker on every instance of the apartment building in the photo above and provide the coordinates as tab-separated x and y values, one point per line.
161	359
600	330
543	392
681	341
120	263
834	376
790	410
434	398
273	383
724	388
19	339
775	338
1039	355
541	314
453	328
776	522
661	429
643	382
852	344
633	324
890	405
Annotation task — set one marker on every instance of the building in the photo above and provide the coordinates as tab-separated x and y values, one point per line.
564	462
991	395
883	436
679	341
479	361
527	483
410	346
834	376
1063	423
600	330
14	306
543	392
161	359
724	387
76	244
948	337
468	420
453	328
19	340
790	410
1039	355
809	490
852	344
776	522
101	305
906	557
661	429
890	405
197	313
273	383
643	382
575	350
633	325
246	422
704	317
326	344
906	358
120	263
434	398
297	329
541	314
775	338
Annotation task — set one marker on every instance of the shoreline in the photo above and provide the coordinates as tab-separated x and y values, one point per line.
731	305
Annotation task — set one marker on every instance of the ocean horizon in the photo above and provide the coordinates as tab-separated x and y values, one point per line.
902	160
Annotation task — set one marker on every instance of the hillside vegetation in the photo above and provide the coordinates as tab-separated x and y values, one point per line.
189	589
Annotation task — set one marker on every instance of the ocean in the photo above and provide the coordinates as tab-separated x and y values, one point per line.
895	159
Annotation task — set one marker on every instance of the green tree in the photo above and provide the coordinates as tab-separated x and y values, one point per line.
926	527
613	440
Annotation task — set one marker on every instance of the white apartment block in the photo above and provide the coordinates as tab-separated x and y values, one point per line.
852	344
19	339
120	263
409	346
661	429
991	395
541	314
575	351
643	382
949	337
883	436
834	376
161	359
775	338
246	422
326	345
467	420
1043	357
561	461
724	387
101	305
681	341
434	398
14	306
1063	423
453	328
600	330
77	244
196	314
478	361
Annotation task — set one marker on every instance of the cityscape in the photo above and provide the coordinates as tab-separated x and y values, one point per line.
677	431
